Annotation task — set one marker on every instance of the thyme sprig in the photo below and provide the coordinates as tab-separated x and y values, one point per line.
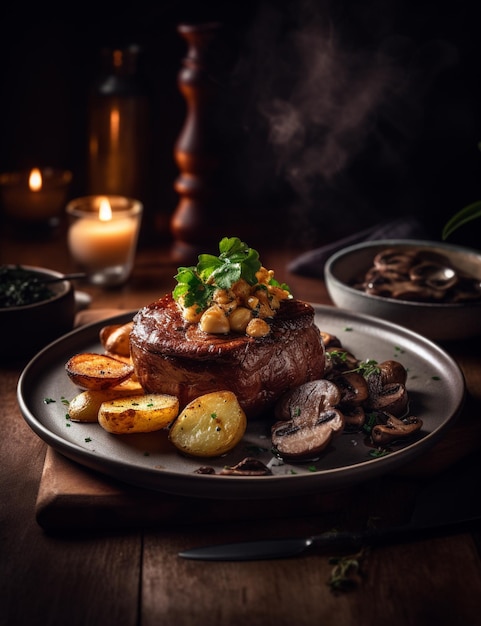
368	367
347	571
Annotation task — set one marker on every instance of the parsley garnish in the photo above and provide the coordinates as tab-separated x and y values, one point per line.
196	284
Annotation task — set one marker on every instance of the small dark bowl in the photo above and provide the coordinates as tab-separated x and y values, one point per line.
436	321
24	330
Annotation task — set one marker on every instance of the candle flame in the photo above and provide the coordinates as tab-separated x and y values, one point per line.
35	180
105	210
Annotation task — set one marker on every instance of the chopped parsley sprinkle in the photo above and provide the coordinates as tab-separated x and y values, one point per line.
20	287
379	452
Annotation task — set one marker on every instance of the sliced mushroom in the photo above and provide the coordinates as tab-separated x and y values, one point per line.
392	398
247	467
354	417
395	260
302	439
308	420
353	387
388	372
394	429
308	400
339	360
434	275
418	275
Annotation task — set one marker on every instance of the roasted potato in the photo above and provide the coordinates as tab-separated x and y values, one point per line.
115	338
138	414
97	371
209	426
85	406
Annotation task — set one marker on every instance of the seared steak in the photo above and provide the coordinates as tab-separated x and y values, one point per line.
173	356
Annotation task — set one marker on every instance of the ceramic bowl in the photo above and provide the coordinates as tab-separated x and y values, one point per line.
26	329
436	320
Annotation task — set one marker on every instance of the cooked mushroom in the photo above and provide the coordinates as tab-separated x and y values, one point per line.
392	372
354	417
434	275
387	372
308	421
353	388
392	398
308	400
418	275
395	260
247	467
338	360
330	340
394	429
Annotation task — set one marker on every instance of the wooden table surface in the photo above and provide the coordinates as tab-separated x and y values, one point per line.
109	556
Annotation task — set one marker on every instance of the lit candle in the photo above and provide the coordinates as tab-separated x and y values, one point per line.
103	235
35	195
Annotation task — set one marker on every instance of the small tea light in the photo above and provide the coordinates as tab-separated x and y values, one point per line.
36	195
102	236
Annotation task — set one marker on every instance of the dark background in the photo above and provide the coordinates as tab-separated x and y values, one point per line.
334	115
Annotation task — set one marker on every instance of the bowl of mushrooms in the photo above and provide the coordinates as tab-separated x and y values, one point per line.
432	288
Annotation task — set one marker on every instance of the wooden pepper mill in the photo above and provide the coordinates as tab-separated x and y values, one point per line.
196	224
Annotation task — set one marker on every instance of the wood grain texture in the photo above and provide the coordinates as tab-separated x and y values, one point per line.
105	573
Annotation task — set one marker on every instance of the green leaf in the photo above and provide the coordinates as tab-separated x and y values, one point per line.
236	260
191	288
207	265
469	213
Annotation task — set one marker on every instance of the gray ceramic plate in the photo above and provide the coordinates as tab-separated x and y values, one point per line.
435	384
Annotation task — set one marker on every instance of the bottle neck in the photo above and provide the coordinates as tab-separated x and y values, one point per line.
120	74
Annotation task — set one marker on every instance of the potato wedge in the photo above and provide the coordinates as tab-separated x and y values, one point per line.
138	414
85	406
97	371
115	338
209	426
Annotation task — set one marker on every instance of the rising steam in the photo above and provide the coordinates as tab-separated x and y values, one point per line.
319	100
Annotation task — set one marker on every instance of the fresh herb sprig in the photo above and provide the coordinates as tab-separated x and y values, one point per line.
196	284
367	368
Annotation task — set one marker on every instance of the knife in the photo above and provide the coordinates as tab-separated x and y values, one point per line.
443	507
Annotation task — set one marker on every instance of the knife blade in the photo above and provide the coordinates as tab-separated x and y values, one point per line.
445	506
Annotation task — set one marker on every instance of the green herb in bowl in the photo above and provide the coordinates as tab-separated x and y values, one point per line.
21	287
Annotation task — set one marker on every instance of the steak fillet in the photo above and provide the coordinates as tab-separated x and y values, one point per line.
175	357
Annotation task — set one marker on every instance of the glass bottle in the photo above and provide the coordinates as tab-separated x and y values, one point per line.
119	128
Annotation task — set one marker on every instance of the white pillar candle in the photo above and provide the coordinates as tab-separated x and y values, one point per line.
103	234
